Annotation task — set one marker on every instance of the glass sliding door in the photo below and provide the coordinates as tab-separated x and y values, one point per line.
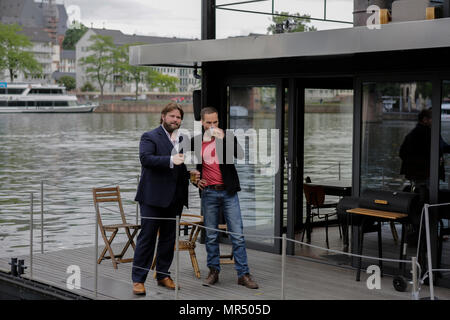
390	112
444	161
443	258
328	136
252	115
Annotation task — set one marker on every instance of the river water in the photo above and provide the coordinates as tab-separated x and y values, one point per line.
72	153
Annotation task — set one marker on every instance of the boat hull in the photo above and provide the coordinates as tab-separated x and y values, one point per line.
77	109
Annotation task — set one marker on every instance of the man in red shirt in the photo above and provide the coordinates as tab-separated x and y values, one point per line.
219	184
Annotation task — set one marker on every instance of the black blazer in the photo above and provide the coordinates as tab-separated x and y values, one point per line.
159	182
226	161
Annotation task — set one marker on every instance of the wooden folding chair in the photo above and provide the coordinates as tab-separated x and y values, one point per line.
190	243
113	195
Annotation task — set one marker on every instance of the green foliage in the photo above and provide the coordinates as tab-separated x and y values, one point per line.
128	73
72	36
68	82
161	81
100	64
14	56
290	24
87	87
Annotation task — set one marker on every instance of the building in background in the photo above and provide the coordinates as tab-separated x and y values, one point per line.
45	23
186	75
67	65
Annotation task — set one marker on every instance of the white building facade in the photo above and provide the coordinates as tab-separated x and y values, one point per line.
187	81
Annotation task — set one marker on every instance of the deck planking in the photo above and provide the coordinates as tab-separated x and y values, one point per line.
304	279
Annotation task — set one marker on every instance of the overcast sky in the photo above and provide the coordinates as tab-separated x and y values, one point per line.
182	18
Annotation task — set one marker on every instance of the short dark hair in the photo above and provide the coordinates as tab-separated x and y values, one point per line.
425	113
170	107
208	110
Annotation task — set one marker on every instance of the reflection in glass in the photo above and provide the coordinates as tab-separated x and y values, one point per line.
254	108
328	136
444	181
285	156
389	113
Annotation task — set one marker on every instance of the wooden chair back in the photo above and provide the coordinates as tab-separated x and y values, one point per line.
111	194
314	195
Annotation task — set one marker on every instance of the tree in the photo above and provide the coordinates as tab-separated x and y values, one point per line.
72	36
284	22
137	74
87	87
161	81
68	82
100	64
14	56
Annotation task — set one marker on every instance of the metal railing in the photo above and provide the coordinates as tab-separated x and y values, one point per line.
414	264
42	224
425	215
321	171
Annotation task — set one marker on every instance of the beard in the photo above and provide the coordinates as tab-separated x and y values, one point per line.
171	126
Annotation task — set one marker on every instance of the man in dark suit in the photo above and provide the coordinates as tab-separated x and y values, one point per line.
162	193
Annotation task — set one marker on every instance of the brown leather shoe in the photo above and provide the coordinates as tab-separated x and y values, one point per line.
246	280
138	288
168	283
212	278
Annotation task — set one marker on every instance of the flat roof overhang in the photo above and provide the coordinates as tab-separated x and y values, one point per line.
411	35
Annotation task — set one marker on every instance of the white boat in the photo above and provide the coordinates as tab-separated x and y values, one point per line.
39	98
238	111
445	111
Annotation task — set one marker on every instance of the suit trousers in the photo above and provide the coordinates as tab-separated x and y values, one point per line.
145	244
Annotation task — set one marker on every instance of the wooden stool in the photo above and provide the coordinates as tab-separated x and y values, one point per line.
380	216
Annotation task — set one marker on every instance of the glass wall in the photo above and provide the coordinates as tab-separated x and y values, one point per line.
444	177
444	165
389	113
252	114
328	138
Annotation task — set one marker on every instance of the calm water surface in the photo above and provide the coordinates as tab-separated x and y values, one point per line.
72	153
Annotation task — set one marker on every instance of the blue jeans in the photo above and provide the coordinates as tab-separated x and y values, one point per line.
212	201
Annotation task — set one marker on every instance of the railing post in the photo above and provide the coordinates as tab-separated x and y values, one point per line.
31	234
96	249
137	204
283	264
177	254
430	263
415	291
339	164
42	216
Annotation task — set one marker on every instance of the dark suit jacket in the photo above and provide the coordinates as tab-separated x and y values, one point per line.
415	153
158	184
226	161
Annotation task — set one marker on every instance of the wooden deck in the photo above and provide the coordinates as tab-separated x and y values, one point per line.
304	279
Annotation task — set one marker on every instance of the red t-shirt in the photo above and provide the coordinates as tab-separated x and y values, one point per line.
210	163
